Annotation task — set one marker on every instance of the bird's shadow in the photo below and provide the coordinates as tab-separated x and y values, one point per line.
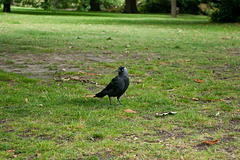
95	103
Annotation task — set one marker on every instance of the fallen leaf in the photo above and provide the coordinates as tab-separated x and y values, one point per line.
195	99
129	111
41	105
65	79
11	150
139	81
26	100
182	96
76	78
93	74
15	155
70	47
81	79
185	60
86	99
39	154
198	80
135	138
210	142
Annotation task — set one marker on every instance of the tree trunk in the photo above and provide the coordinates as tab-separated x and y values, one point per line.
174	8
130	6
95	5
7	6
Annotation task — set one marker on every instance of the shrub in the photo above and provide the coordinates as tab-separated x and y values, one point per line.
226	11
164	6
155	6
189	6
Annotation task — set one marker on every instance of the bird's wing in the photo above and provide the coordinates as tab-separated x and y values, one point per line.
109	88
112	85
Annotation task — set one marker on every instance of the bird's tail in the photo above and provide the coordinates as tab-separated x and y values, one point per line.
101	94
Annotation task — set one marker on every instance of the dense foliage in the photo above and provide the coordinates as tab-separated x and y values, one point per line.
80	5
189	6
164	6
155	6
225	11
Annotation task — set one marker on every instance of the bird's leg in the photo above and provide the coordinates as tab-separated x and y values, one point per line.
119	101
110	100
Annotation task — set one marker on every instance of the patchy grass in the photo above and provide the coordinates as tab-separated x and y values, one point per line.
52	116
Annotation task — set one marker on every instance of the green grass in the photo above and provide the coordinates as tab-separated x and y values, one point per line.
54	118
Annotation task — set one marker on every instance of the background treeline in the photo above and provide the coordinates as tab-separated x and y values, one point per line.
218	10
78	5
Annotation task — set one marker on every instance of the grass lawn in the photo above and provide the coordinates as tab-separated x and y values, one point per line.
50	62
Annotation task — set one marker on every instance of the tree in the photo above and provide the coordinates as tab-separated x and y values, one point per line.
6	5
174	8
95	5
130	6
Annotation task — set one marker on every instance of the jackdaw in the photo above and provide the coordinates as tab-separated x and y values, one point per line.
117	86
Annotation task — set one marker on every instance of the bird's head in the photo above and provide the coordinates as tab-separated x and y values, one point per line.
122	71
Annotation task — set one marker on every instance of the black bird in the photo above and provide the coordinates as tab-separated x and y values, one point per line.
117	86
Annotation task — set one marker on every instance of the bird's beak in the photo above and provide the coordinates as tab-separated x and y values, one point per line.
118	70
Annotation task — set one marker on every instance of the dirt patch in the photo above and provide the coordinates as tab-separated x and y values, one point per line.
44	137
234	125
45	65
26	135
157	136
235	122
64	137
100	155
2	121
201	147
